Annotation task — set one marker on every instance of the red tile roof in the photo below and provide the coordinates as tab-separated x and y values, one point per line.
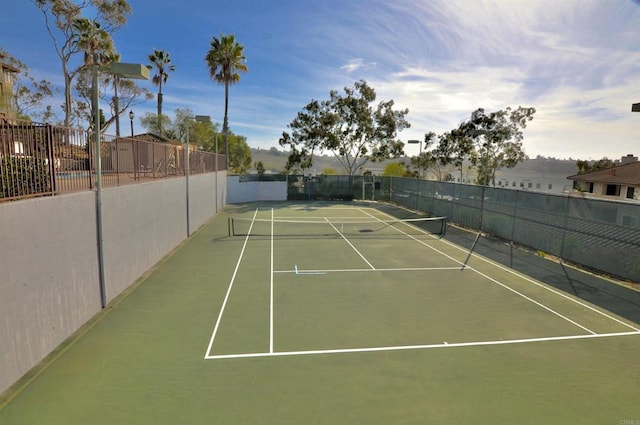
627	174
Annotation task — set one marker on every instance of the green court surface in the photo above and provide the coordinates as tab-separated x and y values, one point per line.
293	322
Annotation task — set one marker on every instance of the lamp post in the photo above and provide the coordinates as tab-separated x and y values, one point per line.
134	148
122	70
413	142
131	117
187	167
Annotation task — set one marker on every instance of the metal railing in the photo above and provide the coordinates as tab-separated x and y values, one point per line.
41	159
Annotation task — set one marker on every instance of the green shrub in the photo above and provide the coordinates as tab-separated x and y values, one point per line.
23	175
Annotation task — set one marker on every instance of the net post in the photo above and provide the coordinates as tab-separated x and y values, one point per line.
471	251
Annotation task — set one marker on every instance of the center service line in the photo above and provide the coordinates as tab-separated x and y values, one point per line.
271	295
350	244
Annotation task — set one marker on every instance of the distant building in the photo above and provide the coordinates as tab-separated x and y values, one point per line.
534	182
155	154
8	106
621	182
533	175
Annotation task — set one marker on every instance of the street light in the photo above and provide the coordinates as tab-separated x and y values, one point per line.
121	70
131	117
413	142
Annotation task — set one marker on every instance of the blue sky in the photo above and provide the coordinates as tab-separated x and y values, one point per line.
576	61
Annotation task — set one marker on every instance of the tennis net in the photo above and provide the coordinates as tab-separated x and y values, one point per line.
329	227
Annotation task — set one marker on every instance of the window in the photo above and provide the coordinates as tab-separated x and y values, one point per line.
630	192
613	190
513	184
530	185
550	186
538	185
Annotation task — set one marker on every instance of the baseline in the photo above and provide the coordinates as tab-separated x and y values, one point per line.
421	347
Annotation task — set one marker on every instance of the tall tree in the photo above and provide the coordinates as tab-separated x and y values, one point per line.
161	61
149	121
308	131
225	59
61	18
239	159
97	46
455	146
350	126
498	140
427	158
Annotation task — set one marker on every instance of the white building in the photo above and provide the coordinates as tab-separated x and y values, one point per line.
621	182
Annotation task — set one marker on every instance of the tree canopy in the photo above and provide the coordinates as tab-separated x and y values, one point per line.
489	140
591	166
349	125
73	33
396	169
498	140
161	62
203	134
225	59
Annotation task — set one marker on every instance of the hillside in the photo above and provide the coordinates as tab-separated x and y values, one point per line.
274	160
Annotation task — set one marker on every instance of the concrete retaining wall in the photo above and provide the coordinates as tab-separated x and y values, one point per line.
49	280
49	284
255	191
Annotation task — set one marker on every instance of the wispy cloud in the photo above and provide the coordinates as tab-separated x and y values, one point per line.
576	61
357	64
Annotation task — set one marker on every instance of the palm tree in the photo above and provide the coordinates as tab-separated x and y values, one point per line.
113	57
224	59
97	46
162	63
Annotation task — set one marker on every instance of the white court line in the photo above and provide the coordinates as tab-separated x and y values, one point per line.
528	279
350	244
271	293
415	347
413	237
539	304
226	297
296	270
419	347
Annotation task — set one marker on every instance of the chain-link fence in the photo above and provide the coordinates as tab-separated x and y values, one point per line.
598	234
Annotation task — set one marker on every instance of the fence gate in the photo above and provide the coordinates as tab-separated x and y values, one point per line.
369	187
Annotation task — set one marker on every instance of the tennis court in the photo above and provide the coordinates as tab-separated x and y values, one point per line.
285	313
